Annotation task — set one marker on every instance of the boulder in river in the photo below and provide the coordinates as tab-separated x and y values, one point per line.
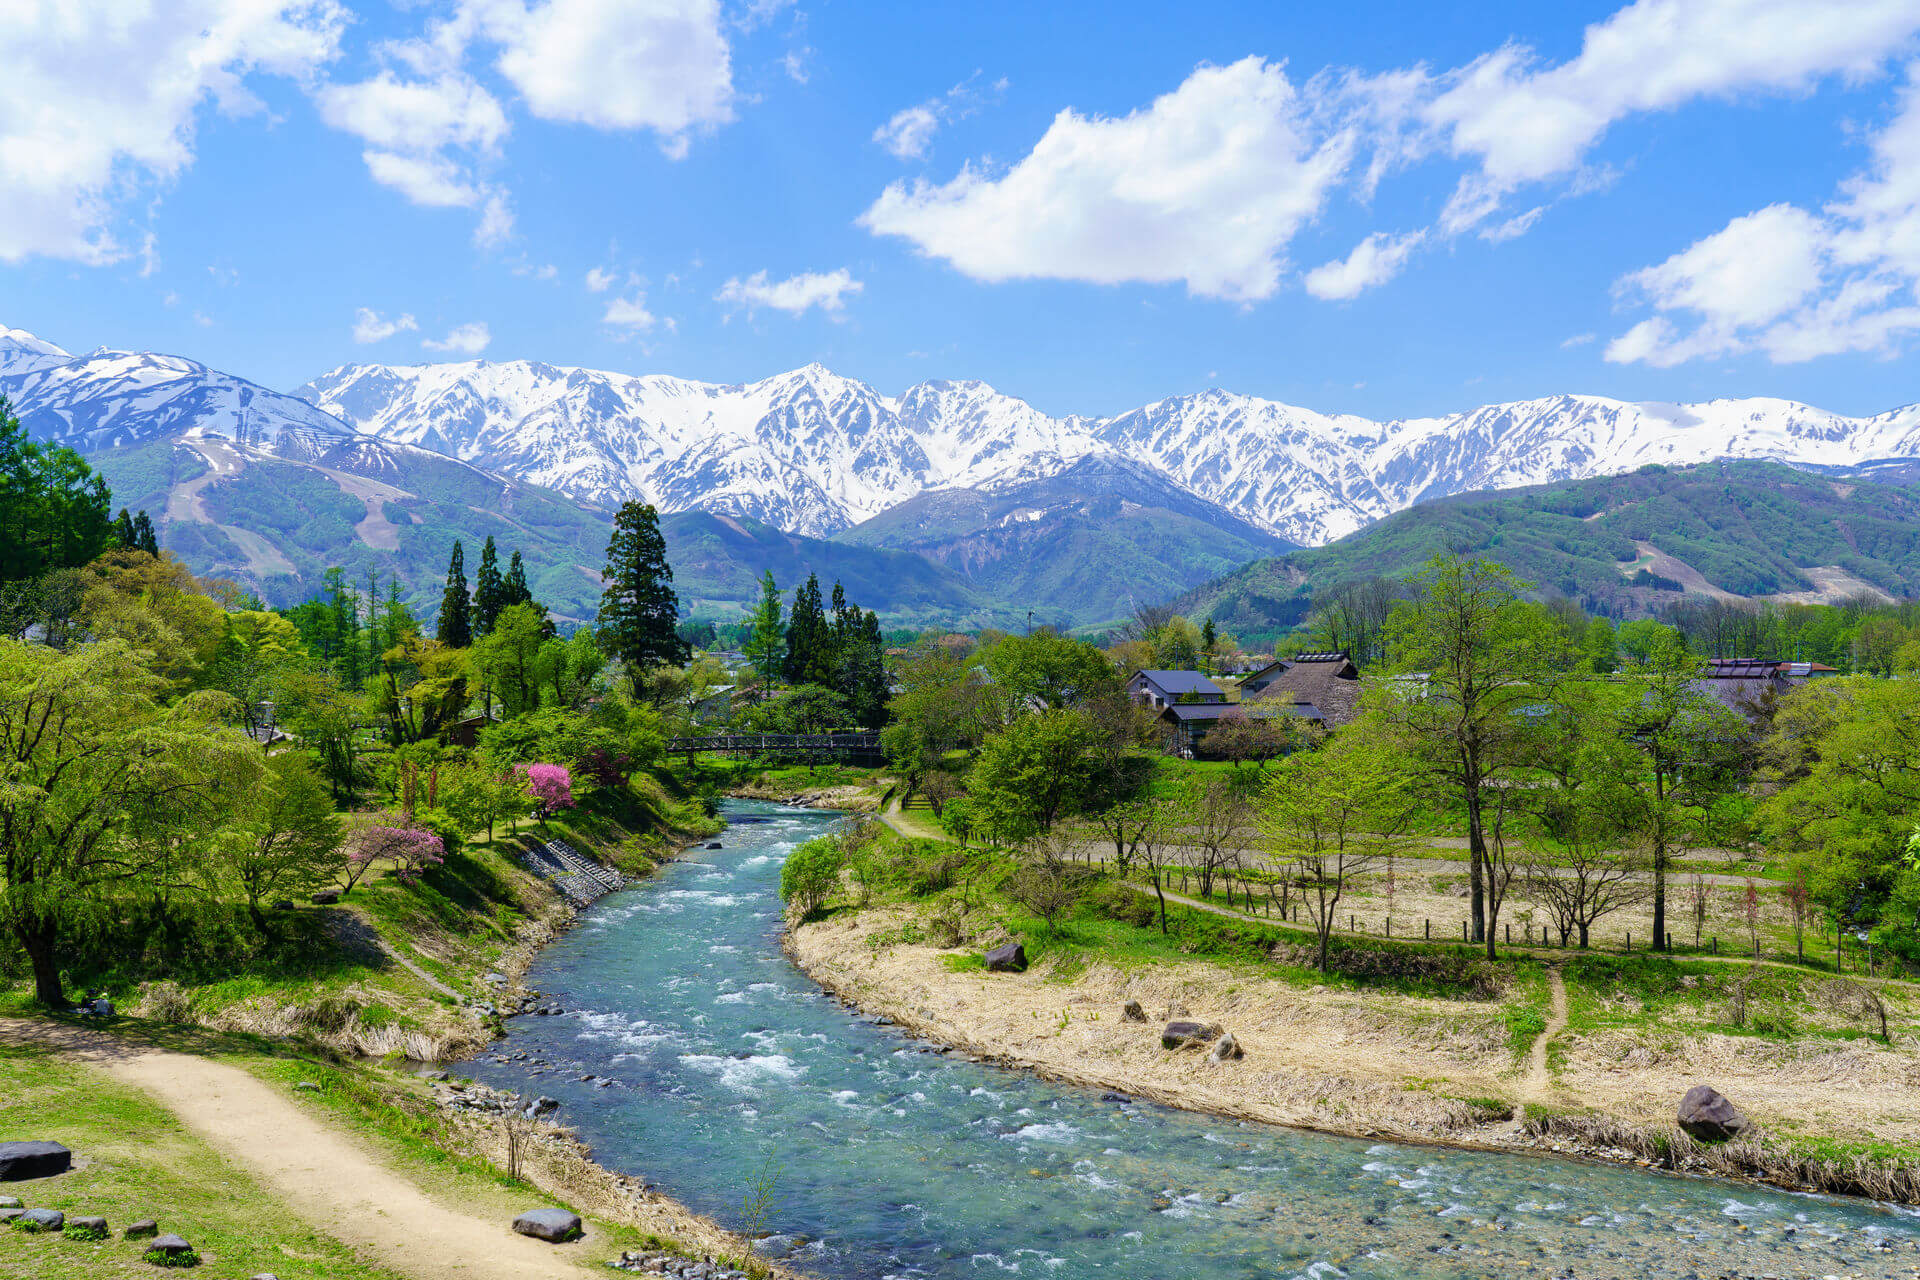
1178	1034
38	1159
1706	1114
552	1225
1011	958
1226	1049
1131	1011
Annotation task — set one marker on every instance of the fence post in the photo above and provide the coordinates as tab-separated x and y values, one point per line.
1669	940
1716	944
1629	940
1389	926
1429	930
1509	933
1463	931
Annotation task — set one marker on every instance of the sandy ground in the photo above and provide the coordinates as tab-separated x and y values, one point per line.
331	1178
1370	1064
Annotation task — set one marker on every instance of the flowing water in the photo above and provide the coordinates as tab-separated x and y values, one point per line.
894	1161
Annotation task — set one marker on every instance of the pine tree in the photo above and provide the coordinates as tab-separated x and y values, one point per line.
869	691
143	535
639	610
456	625
515	589
488	590
123	528
767	642
1209	641
810	656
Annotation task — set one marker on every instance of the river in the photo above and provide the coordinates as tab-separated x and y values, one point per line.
895	1161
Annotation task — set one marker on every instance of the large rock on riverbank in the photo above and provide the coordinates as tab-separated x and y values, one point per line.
1706	1114
552	1225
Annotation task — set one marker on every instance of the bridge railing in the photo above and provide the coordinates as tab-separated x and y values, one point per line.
776	743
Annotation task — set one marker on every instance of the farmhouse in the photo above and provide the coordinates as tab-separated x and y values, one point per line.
1323	687
1750	685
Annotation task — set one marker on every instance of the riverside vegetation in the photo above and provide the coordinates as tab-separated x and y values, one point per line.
1691	895
289	842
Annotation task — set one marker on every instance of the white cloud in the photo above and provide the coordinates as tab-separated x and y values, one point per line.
662	65
630	314
99	100
370	326
1375	260
1206	186
599	280
794	63
1577	340
465	339
496	222
1522	121
424	137
794	295
755	14
907	134
1792	284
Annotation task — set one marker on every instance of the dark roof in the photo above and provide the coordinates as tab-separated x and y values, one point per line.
1329	681
1179	682
1199	710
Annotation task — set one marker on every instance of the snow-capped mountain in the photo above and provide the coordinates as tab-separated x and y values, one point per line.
110	399
814	452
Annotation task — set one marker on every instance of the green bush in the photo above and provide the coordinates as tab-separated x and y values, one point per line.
811	873
1116	901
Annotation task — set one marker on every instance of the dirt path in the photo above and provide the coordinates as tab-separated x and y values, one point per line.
319	1172
1539	1082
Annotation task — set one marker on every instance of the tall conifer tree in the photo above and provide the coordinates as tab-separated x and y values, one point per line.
515	589
810	657
488	590
639	610
456	620
767	643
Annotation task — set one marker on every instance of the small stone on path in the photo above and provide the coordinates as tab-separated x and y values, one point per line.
551	1225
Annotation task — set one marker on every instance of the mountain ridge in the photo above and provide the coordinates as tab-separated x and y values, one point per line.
818	453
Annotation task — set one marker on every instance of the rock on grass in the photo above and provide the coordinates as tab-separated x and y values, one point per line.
552	1225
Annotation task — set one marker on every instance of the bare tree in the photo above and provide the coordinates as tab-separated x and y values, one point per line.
1221	826
1699	895
1799	898
1579	880
1153	849
1046	883
1125	824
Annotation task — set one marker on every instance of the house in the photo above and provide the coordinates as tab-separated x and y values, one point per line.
1323	686
1749	685
1159	689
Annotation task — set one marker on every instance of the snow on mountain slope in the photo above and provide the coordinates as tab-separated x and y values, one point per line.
21	352
107	399
813	452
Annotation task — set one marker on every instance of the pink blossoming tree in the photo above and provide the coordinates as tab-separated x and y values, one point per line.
411	849
551	785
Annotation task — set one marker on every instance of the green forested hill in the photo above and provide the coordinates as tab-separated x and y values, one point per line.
1619	544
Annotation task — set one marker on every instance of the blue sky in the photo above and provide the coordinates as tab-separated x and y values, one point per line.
1386	209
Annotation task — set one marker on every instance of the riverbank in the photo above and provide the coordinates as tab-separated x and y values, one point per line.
1834	1114
340	1050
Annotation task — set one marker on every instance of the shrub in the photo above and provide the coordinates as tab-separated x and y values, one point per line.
166	1002
811	873
1116	901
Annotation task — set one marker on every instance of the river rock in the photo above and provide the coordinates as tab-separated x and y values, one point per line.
551	1225
1011	958
542	1106
1706	1114
1178	1033
38	1159
142	1229
775	1246
1226	1049
169	1246
45	1219
1132	1012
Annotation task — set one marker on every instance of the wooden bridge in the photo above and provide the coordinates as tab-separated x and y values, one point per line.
848	748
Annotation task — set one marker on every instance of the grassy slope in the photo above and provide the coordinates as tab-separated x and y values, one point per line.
1748	527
